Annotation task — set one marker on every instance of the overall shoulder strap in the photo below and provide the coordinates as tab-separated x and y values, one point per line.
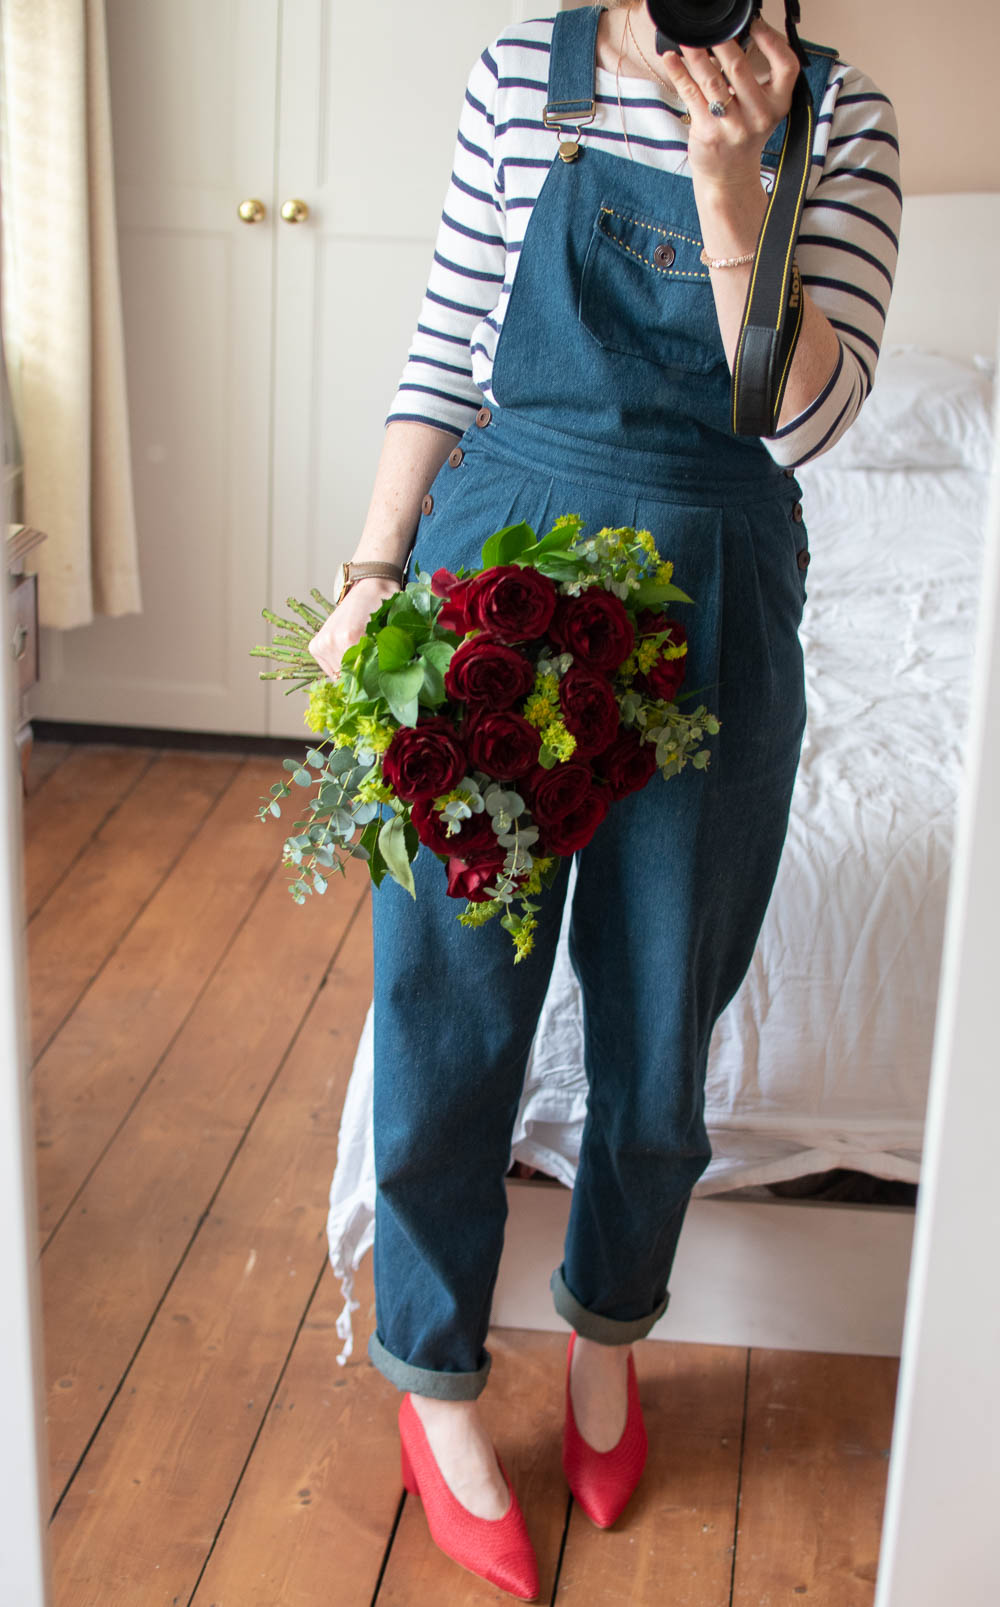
819	61
571	67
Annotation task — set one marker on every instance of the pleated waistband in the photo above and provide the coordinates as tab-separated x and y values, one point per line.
723	472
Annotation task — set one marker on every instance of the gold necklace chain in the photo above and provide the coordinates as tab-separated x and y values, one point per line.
664	81
686	118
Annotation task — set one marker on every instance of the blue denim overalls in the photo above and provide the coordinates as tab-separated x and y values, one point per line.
613	402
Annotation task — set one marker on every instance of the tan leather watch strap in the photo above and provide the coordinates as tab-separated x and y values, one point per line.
364	568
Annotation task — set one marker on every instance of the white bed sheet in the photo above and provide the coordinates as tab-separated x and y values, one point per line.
823	1057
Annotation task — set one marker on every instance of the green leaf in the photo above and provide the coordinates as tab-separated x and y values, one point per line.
395	647
650	592
507	544
546	757
439	653
400	689
432	692
392	846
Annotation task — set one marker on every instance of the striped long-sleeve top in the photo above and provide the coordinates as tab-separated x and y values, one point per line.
846	251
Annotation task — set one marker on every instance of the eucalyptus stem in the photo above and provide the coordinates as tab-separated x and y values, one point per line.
305	612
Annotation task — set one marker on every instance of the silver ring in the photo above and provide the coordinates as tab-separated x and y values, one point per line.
717	108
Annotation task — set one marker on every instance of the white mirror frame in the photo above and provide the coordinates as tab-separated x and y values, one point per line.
939	1527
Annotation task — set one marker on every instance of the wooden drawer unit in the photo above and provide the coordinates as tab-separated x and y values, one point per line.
22	614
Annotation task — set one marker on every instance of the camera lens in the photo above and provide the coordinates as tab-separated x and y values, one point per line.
703	23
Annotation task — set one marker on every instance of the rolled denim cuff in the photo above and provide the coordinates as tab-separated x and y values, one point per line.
605	1330
426	1380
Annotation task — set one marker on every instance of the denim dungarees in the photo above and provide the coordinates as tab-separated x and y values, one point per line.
612	394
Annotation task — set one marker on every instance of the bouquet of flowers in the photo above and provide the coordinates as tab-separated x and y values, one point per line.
492	716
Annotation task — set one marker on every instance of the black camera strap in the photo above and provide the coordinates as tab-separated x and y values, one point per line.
772	314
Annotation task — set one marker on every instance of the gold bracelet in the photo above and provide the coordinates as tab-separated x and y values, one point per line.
726	262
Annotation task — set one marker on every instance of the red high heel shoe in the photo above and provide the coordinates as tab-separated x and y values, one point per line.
497	1549
603	1481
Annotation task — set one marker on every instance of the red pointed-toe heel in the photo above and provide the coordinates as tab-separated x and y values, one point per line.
499	1550
603	1481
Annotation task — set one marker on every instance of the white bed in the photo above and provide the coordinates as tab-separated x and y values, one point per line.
823	1058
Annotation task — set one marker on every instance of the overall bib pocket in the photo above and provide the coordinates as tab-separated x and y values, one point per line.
645	292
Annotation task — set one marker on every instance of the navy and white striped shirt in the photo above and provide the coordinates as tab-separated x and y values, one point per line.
846	252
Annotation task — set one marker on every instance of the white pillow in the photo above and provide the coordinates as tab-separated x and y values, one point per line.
925	411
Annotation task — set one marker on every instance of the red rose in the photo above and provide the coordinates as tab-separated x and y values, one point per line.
474	830
512	603
589	710
503	744
469	878
489	674
424	760
595	628
627	764
576	829
554	793
664	680
454	613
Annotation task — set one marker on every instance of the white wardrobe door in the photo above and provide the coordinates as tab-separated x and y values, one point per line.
193	88
369	105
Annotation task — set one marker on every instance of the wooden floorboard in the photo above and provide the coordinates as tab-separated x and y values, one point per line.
88	1079
814	1468
62	815
114	1253
311	1519
113	878
206	1450
140	1516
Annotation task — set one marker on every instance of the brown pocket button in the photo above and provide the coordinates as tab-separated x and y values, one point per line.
483	417
664	255
427	503
797	513
803	557
455	456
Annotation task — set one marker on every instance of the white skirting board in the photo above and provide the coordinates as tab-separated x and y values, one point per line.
784	1274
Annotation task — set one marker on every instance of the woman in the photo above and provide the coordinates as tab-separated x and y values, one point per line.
577	344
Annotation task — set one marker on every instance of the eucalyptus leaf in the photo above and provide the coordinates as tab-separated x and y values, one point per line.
400	689
395	647
392	846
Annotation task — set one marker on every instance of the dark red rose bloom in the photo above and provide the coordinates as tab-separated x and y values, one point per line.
502	743
469	878
512	603
576	829
553	794
666	677
424	760
454	614
595	628
475	830
627	764
488	674
589	710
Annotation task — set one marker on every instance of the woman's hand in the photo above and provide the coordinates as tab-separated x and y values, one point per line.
724	152
347	624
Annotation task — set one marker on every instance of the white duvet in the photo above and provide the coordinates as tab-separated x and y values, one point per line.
823	1057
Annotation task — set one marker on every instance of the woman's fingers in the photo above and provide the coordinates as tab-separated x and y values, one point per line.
751	96
348	622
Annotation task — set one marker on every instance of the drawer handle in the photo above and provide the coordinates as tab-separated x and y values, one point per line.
20	642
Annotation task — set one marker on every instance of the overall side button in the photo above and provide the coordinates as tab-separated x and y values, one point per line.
455	456
428	503
483	417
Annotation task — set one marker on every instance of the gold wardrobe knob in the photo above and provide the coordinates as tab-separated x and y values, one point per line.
295	211
251	211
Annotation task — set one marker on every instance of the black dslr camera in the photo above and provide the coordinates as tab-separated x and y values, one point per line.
703	23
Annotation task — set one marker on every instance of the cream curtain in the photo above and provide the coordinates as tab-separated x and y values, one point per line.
62	314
